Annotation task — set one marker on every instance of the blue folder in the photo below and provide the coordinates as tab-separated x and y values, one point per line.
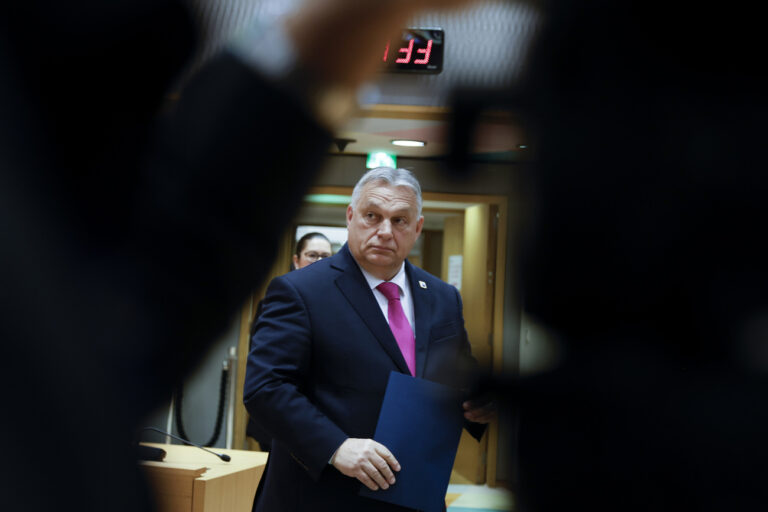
420	422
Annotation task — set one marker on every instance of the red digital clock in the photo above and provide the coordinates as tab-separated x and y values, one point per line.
419	50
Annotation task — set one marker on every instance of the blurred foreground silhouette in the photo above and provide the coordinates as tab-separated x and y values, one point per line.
644	254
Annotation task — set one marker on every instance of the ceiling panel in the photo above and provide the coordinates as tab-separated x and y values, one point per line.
485	47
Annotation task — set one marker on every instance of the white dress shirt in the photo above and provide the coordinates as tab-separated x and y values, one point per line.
401	280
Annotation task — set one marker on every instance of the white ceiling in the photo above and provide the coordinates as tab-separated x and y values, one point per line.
486	44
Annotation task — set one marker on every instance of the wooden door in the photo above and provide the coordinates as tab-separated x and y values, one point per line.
478	248
279	267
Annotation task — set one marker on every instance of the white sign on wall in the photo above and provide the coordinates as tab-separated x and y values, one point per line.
455	262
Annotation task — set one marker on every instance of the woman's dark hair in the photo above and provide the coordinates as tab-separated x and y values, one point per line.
306	238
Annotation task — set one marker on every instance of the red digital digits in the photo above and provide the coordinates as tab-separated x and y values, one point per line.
426	51
408	51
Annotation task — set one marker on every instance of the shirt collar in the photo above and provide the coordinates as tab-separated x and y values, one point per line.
373	282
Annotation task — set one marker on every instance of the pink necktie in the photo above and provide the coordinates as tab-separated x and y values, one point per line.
399	324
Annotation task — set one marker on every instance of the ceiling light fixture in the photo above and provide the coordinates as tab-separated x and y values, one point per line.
408	143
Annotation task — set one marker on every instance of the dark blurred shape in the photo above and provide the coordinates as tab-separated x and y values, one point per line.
468	109
127	238
644	253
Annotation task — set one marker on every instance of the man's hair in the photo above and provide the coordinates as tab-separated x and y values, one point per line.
390	176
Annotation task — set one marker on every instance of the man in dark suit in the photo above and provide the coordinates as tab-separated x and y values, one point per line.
328	338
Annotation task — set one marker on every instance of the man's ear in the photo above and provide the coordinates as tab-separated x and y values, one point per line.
419	225
349	214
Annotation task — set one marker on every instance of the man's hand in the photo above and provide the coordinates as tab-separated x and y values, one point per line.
479	411
368	461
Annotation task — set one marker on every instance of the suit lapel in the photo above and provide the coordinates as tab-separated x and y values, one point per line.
355	289
422	311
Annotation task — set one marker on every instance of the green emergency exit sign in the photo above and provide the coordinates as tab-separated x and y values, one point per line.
381	159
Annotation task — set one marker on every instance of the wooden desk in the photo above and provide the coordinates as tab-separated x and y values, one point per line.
191	480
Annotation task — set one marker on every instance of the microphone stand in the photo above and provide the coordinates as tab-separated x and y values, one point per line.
222	456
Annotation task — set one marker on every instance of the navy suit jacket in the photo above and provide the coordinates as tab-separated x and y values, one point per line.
317	372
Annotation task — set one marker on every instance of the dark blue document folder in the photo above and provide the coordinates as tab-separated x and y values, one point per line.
420	422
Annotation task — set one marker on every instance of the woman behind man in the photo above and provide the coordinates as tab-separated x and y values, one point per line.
310	248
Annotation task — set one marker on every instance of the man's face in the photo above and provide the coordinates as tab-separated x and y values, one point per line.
383	226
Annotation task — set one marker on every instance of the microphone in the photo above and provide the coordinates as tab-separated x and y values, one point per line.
222	456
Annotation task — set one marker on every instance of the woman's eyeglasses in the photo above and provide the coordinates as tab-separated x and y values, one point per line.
314	256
